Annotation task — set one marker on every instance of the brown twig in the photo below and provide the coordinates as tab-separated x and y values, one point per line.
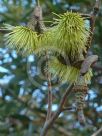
86	16
92	21
50	122
87	63
68	109
97	132
48	75
91	59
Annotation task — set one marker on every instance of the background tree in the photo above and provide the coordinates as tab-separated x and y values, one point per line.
23	105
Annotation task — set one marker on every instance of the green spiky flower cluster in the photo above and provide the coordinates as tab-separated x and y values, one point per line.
22	39
68	36
71	34
46	40
68	73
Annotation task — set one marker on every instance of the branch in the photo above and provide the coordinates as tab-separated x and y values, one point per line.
48	75
50	122
86	16
41	28
96	7
87	63
97	132
68	109
94	14
92	22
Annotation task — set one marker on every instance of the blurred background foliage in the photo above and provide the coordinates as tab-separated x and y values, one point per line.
22	103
